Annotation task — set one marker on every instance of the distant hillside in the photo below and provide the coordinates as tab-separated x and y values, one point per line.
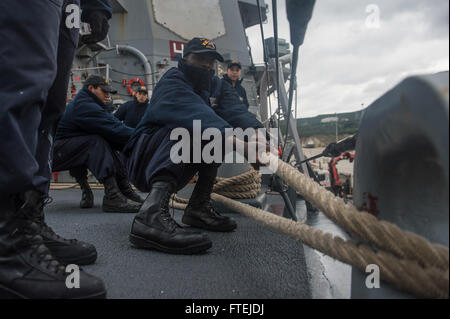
348	123
325	124
323	127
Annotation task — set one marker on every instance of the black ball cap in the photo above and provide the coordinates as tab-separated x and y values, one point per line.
142	90
234	63
99	81
202	45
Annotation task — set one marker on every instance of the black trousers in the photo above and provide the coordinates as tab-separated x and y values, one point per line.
36	54
79	173
150	159
91	152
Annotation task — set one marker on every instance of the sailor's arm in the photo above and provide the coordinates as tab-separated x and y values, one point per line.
236	113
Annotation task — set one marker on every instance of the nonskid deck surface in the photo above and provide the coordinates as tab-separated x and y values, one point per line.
251	262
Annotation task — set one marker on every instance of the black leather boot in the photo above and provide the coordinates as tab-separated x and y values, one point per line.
67	251
87	197
128	191
28	269
200	213
154	228
115	201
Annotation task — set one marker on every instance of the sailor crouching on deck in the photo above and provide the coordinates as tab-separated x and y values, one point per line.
88	135
180	97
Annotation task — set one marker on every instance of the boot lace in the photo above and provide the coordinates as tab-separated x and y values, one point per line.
201	198
39	219
31	238
208	207
165	212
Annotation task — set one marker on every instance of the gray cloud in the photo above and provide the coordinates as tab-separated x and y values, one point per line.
344	64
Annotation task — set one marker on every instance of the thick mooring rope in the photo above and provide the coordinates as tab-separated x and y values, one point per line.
245	185
406	275
408	261
382	234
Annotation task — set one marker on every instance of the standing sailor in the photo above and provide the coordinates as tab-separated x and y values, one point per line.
233	76
38	39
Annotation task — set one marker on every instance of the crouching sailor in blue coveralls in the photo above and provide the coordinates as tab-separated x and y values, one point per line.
88	135
183	94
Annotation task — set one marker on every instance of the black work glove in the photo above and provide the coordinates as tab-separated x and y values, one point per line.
331	150
99	27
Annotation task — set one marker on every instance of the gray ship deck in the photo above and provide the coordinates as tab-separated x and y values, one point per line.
252	262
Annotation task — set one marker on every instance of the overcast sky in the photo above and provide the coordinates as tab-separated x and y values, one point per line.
344	63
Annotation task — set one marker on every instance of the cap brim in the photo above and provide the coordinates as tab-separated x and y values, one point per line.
108	89
218	56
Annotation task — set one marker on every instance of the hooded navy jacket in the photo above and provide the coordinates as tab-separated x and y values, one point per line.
239	89
131	112
88	115
176	103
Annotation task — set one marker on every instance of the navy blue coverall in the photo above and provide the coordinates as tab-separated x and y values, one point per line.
88	135
239	89
36	55
131	112
176	103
